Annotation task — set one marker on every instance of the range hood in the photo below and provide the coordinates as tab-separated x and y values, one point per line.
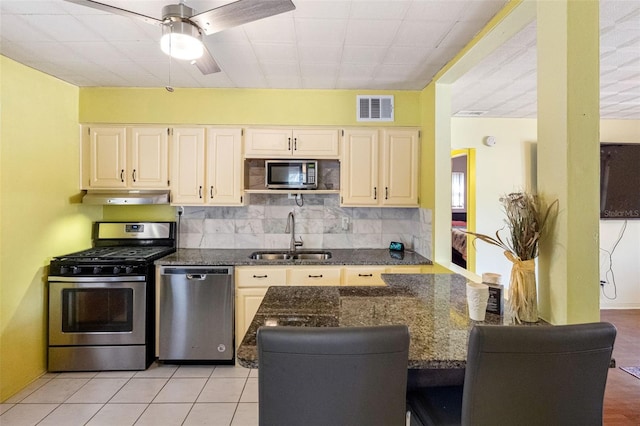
125	198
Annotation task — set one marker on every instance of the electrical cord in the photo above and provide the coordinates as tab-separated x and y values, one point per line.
609	276
301	203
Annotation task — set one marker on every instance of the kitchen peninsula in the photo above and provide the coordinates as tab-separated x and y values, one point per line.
432	305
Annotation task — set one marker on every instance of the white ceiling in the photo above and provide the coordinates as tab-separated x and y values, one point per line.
323	44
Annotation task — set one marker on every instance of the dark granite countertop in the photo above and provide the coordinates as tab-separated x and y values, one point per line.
240	257
432	305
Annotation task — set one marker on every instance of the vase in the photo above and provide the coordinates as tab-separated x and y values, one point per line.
523	297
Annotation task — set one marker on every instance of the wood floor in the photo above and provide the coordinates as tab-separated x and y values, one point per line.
622	395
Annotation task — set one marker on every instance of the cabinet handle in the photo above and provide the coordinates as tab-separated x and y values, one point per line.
133	175
122	175
375	192
365	275
295	144
211	191
260	276
200	191
315	276
386	193
289	148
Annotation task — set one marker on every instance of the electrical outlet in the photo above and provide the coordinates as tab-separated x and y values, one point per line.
345	223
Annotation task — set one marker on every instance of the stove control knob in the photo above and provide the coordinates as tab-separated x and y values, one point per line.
116	270
129	269
63	270
97	270
75	269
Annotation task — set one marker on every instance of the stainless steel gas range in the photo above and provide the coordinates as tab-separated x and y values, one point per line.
102	300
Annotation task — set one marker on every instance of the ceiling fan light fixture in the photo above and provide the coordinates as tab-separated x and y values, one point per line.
182	40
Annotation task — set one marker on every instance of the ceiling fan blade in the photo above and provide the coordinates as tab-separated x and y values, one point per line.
238	13
206	64
117	11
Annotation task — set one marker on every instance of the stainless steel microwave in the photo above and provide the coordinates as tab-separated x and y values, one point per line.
291	174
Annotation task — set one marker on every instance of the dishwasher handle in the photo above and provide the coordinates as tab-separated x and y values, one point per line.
199	277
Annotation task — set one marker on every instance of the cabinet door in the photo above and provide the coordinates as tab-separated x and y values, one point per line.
247	303
400	168
187	166
359	174
363	275
149	157
224	167
268	143
302	275
315	143
107	156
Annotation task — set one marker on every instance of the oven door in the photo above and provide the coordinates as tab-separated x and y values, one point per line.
97	311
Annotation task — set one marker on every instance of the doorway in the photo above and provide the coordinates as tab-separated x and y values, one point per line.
463	207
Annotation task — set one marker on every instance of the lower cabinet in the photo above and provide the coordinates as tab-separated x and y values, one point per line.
251	285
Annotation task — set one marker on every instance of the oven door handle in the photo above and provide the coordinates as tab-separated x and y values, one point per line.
97	279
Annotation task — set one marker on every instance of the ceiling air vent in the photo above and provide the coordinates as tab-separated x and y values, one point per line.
374	108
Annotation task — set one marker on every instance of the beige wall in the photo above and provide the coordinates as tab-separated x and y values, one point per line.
40	214
510	165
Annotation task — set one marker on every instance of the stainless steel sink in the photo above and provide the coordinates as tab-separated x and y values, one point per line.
265	255
322	255
298	255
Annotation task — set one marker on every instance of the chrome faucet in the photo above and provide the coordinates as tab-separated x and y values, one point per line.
291	227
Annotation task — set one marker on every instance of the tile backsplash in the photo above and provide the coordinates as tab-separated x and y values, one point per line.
319	221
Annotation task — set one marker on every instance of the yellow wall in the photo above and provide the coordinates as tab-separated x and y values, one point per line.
237	106
39	212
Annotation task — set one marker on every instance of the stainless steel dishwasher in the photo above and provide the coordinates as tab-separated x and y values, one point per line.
196	313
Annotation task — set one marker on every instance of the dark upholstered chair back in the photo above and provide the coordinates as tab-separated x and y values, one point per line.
332	376
537	375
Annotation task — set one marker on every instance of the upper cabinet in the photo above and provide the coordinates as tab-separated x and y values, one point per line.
206	166
299	143
118	157
380	168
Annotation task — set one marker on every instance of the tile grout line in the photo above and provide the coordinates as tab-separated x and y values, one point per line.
238	403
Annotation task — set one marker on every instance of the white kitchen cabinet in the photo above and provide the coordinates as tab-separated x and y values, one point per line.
359	168
206	166
149	157
287	142
400	152
380	168
251	285
247	303
224	167
363	275
313	276
187	165
121	157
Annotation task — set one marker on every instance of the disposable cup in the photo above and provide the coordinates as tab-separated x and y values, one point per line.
477	297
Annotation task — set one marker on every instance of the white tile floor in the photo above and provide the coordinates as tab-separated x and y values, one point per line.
162	395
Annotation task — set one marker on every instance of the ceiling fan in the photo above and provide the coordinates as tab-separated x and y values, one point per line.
182	28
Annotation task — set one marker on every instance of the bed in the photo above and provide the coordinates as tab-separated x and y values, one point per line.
459	238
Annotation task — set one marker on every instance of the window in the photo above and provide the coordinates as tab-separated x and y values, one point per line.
457	190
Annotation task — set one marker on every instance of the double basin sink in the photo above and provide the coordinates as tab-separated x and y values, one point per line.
287	255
